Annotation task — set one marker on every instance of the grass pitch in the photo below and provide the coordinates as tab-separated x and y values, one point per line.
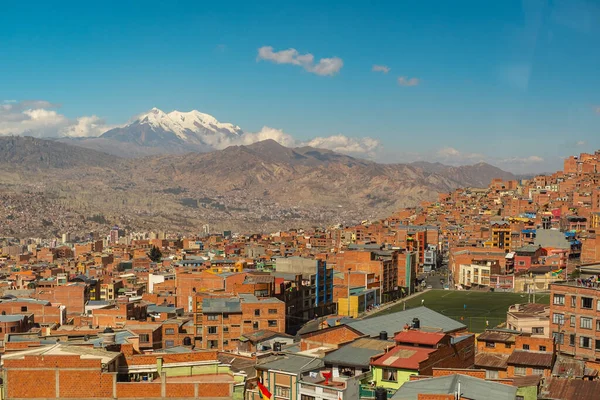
477	310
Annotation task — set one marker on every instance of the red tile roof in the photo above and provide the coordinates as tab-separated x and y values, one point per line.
419	337
403	357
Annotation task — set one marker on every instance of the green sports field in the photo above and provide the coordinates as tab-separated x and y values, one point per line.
474	309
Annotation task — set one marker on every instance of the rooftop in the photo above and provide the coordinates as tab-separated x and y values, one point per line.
395	322
470	388
491	360
292	363
64	350
419	337
498	336
358	353
531	358
403	357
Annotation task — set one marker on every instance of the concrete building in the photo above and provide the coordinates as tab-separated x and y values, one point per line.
529	318
220	322
574	310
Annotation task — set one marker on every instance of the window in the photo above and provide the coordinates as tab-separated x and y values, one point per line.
507	345
598	324
597	345
13	329
573	301
225	329
390	375
585	342
23	308
212	317
272	311
558	337
490	345
225	342
558	319
572	320
572	339
282	391
538	371
586	302
537	330
213	344
542	348
255	325
169	331
257	313
306	397
520	370
525	347
212	330
490	374
225	316
169	343
272	323
144	338
585	323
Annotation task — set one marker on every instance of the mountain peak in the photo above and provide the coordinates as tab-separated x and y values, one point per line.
157	128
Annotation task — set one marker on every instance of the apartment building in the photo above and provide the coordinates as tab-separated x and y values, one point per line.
574	321
221	321
478	274
501	235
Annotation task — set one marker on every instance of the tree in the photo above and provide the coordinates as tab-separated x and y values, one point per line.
155	254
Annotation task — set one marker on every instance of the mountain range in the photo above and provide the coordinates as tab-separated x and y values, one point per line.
157	132
48	187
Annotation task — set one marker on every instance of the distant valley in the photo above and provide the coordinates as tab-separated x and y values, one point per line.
48	187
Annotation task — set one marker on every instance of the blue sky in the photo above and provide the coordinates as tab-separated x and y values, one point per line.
514	83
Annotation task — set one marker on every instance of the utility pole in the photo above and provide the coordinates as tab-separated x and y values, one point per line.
348	299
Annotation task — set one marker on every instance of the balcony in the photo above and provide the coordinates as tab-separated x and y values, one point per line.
368	392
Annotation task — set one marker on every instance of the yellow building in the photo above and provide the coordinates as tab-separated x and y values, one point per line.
501	237
361	300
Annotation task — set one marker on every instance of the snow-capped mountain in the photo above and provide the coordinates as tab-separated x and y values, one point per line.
157	128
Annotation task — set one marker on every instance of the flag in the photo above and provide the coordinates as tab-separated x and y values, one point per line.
264	392
557	272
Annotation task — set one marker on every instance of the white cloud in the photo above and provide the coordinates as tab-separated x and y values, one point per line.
404	81
381	68
265	133
581	143
522	160
597	110
39	118
325	66
343	144
87	127
452	156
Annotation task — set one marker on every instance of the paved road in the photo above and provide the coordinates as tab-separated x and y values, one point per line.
433	278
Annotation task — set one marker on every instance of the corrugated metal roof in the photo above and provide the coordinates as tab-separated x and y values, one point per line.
395	322
404	357
358	353
470	388
531	358
292	363
495	336
419	337
491	360
567	389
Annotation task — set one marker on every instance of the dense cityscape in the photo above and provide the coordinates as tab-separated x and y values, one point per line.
485	293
